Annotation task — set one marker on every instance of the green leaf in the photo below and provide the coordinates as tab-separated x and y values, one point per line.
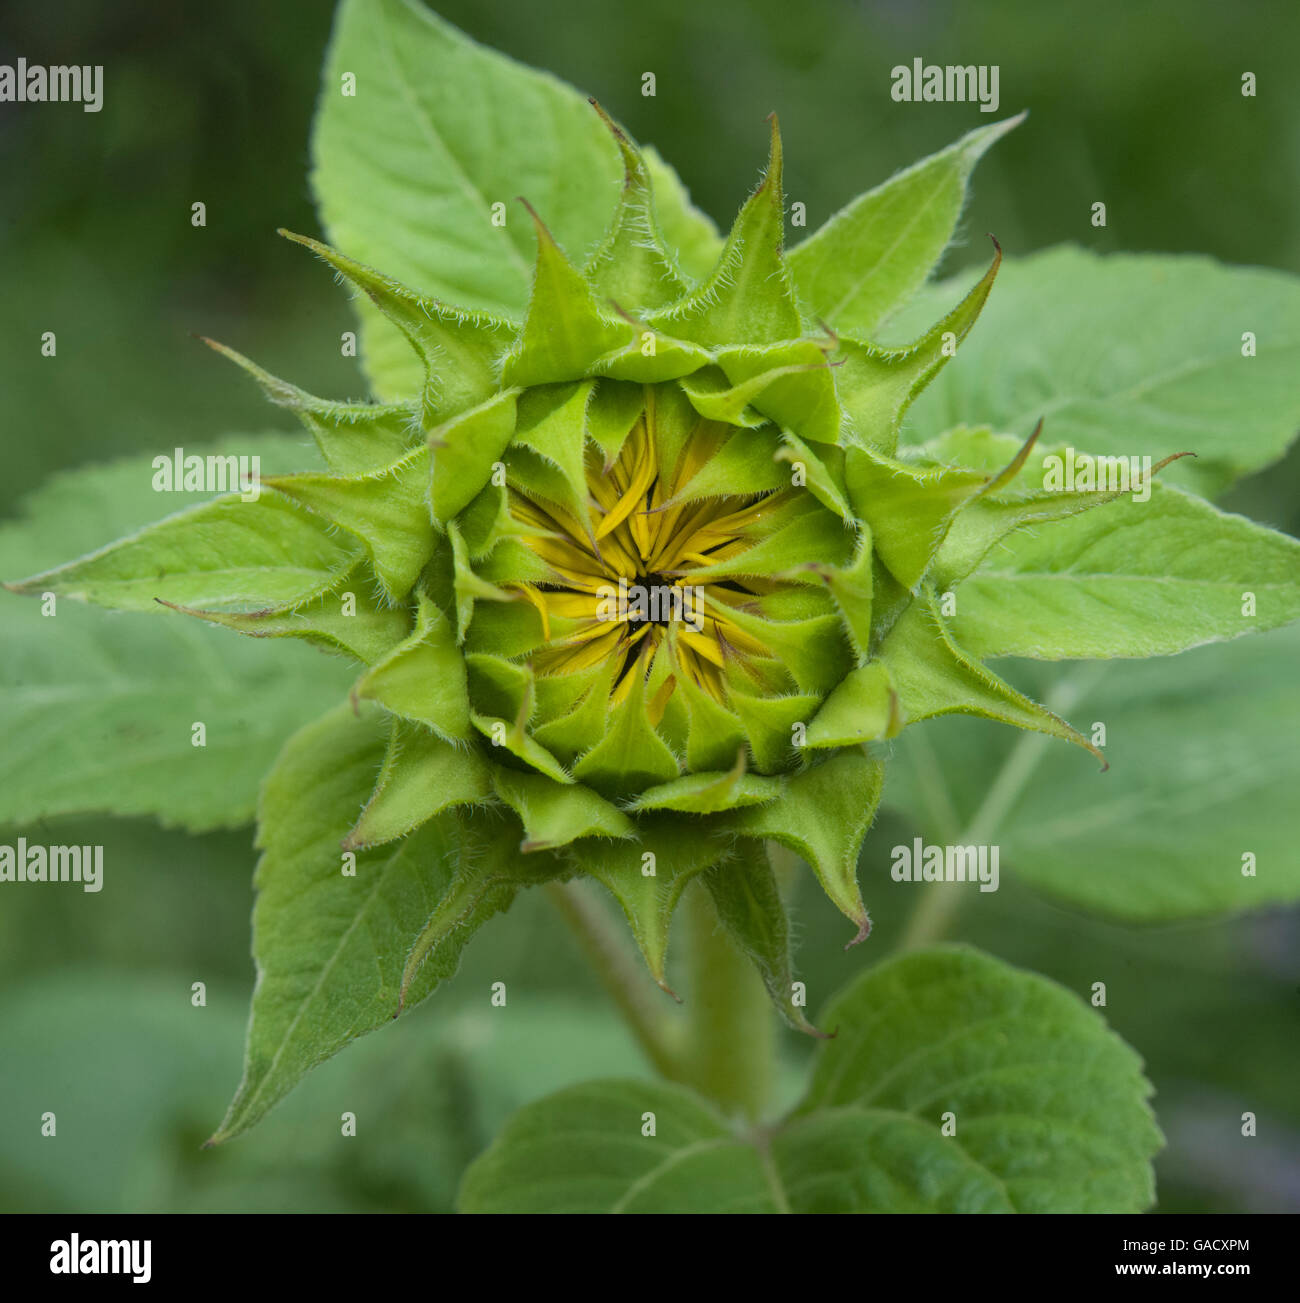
583	1150
1012	500
1197	814
464	450
513	738
348	619
566	328
105	704
225	553
353	438
440	129
552	423
789	383
908	508
745	464
1049	1104
1162	372
1130	579
769	728
631	756
330	946
632	267
1049	1108
872	255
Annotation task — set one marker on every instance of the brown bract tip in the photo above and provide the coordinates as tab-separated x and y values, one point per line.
864	931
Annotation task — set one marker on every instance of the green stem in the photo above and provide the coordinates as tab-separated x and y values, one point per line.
623	978
731	1033
726	1048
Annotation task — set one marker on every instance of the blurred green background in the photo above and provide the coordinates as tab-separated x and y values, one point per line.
1137	106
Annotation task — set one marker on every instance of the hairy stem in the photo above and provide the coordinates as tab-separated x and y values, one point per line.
621	974
731	1033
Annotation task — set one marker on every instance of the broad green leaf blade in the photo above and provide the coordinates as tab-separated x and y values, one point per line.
1129	579
873	254
1195	817
106	707
106	704
348	619
440	129
856	1160
226	554
1049	1108
1162	370
1045	1099
584	1150
331	945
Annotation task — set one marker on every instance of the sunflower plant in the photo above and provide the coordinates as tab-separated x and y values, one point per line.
644	588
